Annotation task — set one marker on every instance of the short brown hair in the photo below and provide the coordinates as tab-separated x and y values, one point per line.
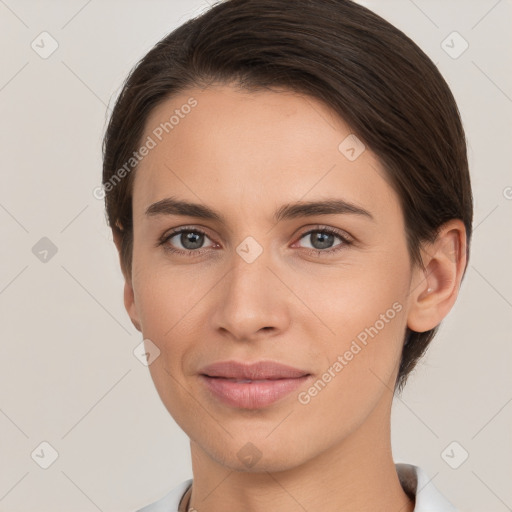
339	52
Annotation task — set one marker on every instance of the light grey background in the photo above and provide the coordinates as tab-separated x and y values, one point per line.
67	369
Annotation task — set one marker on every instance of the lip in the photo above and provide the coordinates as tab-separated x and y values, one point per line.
258	370
251	386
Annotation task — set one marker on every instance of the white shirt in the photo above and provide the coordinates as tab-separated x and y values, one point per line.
412	478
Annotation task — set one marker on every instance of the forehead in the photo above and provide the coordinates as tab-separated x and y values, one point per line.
245	150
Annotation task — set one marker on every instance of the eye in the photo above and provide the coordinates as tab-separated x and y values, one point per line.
189	241
321	240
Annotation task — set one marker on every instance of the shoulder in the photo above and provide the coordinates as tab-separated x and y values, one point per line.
169	502
413	479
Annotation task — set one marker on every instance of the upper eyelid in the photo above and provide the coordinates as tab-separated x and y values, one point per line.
335	231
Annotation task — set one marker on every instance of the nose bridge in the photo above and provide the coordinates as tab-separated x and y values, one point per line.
250	270
250	298
249	280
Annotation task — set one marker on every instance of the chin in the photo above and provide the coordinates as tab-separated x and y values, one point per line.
258	455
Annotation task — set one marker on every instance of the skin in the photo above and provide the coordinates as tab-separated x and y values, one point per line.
244	154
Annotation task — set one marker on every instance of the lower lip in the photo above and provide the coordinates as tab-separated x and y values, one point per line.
251	395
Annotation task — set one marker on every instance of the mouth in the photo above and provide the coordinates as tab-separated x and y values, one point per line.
251	386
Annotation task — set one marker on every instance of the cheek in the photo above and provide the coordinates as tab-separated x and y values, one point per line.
167	316
170	303
166	297
359	365
343	301
364	308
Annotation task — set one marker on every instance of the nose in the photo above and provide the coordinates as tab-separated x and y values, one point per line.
252	301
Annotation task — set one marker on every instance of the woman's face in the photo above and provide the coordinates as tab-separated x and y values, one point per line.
255	284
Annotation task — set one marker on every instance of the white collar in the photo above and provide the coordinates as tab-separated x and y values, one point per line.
413	479
416	482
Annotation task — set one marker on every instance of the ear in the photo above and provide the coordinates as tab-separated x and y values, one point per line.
435	288
129	296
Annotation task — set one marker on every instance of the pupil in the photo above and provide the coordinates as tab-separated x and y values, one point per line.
325	240
191	240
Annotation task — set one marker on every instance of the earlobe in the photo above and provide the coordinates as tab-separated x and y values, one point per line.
435	288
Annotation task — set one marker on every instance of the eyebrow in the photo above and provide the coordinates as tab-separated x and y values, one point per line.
174	206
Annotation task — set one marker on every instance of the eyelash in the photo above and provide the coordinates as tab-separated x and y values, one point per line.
194	253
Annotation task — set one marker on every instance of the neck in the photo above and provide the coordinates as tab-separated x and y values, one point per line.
357	474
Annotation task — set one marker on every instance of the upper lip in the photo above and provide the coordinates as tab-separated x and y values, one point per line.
252	371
